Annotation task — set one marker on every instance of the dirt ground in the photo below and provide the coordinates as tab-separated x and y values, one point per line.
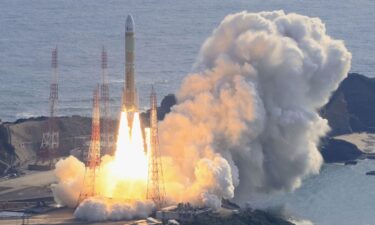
34	185
62	216
364	141
28	186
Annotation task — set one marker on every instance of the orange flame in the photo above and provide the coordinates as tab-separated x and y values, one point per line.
127	175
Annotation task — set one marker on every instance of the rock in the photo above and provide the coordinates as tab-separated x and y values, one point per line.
229	205
165	107
7	152
334	150
337	115
370	173
351	162
351	107
20	140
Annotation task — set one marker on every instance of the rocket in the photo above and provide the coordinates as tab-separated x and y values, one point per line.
129	95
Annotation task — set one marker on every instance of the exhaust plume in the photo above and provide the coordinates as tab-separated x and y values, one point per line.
247	122
70	173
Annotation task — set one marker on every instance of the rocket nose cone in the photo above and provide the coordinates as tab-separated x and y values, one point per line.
129	24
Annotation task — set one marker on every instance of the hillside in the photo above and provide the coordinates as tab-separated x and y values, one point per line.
20	140
352	106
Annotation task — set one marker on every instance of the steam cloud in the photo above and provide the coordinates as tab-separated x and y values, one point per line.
98	209
70	174
248	121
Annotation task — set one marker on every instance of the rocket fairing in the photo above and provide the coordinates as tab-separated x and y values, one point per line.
129	95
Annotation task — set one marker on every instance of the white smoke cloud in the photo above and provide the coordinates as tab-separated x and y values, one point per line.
70	173
247	122
98	209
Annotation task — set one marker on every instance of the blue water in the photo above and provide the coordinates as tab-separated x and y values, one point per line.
169	34
341	195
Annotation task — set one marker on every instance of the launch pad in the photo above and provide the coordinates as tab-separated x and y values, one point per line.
132	172
136	163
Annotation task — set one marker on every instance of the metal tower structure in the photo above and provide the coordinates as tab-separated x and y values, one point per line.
104	98
155	184
93	154
50	139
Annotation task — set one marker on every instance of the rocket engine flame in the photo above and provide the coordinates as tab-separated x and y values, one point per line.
129	168
130	154
246	124
122	179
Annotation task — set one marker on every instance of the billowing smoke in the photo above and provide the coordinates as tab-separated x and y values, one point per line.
247	122
99	209
70	174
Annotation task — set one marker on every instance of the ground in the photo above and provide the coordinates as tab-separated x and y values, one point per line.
25	192
364	141
29	186
63	216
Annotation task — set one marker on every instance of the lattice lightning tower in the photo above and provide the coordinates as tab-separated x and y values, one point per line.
93	154
104	91
50	138
155	184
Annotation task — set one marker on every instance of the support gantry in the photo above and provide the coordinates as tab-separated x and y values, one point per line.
155	183
93	154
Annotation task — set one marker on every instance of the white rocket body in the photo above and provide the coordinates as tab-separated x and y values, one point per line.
130	95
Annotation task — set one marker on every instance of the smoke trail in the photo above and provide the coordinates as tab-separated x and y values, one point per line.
247	122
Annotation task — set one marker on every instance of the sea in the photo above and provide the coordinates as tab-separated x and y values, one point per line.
339	195
169	34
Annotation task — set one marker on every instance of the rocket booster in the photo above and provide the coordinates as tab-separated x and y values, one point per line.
129	95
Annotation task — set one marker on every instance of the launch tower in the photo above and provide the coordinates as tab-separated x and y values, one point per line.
50	138
93	153
155	184
104	99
